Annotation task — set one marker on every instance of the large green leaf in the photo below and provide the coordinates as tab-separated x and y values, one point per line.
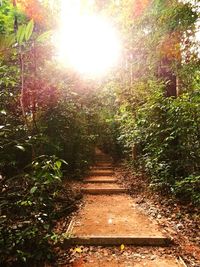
33	189
21	34
6	41
29	30
10	40
20	147
58	164
44	36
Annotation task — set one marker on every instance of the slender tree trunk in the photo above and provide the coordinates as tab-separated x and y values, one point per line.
15	17
22	93
134	152
35	76
22	86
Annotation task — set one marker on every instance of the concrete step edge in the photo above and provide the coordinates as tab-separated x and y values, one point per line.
99	191
102	168
96	173
99	181
118	240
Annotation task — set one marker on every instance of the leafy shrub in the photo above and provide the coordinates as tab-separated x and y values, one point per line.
189	188
28	206
165	132
66	134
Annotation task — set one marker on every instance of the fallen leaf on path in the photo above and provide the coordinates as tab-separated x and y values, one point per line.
79	250
122	247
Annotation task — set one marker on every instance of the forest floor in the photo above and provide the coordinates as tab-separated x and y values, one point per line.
139	213
178	219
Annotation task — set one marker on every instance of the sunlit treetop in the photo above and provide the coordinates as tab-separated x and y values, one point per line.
35	9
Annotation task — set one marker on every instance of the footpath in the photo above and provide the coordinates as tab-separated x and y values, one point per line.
110	231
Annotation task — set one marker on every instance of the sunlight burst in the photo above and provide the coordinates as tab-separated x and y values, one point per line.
86	42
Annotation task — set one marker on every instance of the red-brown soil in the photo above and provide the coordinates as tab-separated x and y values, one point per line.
113	215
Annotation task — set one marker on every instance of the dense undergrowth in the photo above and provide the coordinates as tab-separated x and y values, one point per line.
165	136
29	204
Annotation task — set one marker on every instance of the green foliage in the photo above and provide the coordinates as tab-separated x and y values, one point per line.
24	32
29	30
6	41
44	36
105	127
166	134
6	17
66	134
15	147
28	206
189	188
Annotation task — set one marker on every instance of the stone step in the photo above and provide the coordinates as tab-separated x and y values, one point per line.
109	217
101	168
103	158
103	163
101	172
151	259
101	186
100	179
103	191
118	240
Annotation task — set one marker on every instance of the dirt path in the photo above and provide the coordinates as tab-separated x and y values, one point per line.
112	218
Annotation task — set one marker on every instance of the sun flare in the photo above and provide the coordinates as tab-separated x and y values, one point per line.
86	42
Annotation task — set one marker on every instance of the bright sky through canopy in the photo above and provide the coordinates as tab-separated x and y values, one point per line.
87	43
